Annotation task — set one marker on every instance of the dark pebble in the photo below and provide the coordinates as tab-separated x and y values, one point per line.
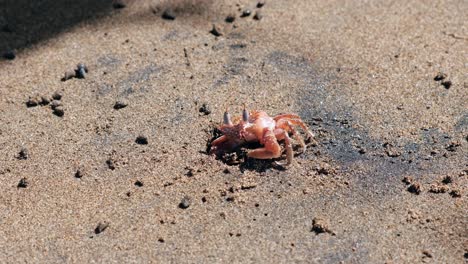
23	154
205	109
320	226
440	76
57	95
101	227
455	193
168	14
120	104
110	164
427	254
81	71
216	31
453	146
23	183
139	184
446	84
435	188
78	174
161	240
58	111
246	13
9	55
44	100
33	101
230	19
260	4
447	180
258	15
414	188
185	203
141	140
407	179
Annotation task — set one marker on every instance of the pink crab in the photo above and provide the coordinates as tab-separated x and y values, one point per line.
257	126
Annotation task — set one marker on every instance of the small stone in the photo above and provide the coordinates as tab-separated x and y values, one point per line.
230	19
141	140
190	172
440	76
54	104
58	111
216	31
393	152
452	147
320	225
68	75
101	227
23	154
436	188
407	179
110	164
44	100
139	183
246	13
78	174
447	179
455	193
120	104
57	95
23	183
205	109
414	188
168	14
427	254
185	203
81	71
258	15
9	55
260	4
33	101
446	84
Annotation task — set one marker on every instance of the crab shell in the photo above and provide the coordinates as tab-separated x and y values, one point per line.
258	126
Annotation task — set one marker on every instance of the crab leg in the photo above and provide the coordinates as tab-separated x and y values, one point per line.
282	134
271	150
287	116
300	123
215	144
285	125
295	120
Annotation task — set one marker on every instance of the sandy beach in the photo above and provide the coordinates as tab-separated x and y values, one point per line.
109	162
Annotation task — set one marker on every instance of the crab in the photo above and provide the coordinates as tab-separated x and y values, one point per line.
258	126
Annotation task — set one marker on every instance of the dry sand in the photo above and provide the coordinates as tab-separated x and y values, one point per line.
385	183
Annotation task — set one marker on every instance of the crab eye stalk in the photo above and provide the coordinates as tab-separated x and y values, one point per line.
245	115
227	118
